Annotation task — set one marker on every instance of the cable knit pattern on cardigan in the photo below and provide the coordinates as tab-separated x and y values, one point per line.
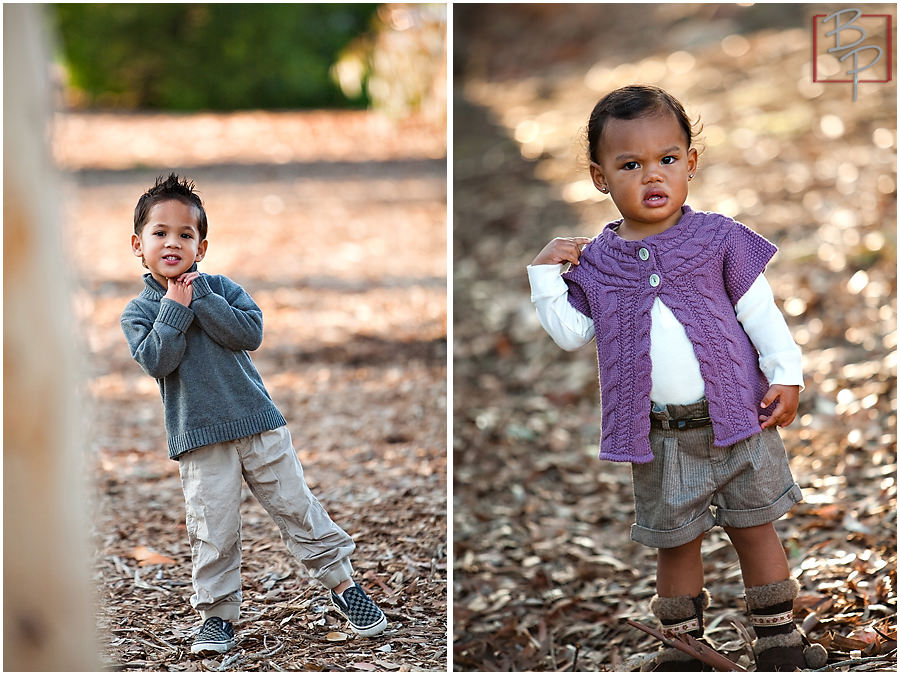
699	269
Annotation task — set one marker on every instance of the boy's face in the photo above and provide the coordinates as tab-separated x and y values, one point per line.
645	163
170	241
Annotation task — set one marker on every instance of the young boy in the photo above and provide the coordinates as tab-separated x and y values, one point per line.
192	332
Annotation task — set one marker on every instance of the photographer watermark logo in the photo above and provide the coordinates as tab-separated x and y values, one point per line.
847	43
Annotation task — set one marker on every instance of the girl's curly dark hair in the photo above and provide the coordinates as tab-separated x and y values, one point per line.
631	102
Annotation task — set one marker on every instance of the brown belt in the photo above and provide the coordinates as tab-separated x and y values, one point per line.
679	424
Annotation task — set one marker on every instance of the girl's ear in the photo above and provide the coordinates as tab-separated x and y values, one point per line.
598	178
693	161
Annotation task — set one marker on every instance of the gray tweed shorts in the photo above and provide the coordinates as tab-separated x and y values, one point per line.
690	485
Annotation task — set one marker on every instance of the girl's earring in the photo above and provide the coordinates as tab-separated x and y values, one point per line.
690	176
604	189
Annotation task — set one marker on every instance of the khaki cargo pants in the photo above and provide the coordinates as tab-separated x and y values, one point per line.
211	480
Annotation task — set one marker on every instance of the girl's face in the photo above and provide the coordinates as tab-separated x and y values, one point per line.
645	164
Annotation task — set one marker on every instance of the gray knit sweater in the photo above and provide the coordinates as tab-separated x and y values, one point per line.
211	390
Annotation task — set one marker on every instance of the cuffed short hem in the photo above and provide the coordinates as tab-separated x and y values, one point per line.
227	611
762	515
334	574
672	538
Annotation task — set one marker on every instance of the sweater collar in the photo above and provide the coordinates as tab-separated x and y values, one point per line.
664	238
153	289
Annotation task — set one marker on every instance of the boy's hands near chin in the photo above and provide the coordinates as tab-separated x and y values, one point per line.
788	397
180	289
188	277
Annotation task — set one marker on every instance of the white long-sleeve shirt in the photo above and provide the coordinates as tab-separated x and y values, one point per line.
675	371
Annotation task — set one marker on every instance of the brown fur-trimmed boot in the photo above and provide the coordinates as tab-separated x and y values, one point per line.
779	645
682	614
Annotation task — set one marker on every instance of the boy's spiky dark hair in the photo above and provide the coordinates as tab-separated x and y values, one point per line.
173	187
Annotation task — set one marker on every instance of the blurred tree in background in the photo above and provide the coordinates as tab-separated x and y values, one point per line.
401	63
208	56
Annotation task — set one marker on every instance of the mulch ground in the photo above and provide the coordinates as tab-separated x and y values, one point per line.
336	225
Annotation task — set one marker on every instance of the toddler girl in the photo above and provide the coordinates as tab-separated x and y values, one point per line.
697	369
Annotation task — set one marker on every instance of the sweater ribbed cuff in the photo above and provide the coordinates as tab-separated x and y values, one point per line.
200	287
174	314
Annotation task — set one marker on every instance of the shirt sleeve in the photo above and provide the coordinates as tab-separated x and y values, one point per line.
779	356
746	257
231	318
569	328
157	343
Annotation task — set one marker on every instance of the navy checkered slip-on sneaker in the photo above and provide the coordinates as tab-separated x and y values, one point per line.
216	635
364	616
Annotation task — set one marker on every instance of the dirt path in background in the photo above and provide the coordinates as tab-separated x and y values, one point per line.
347	260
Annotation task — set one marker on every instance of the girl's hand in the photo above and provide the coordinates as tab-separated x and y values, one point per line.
788	397
180	291
561	250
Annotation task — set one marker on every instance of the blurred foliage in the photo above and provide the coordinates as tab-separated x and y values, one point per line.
401	63
209	56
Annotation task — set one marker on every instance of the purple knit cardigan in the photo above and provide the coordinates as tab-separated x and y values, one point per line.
699	268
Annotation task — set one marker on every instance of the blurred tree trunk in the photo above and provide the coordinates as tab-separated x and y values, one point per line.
47	617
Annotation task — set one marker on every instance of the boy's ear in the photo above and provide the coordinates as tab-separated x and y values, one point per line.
598	178
136	246
201	250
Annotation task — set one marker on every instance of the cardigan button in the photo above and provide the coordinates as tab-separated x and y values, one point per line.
654	280
644	254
